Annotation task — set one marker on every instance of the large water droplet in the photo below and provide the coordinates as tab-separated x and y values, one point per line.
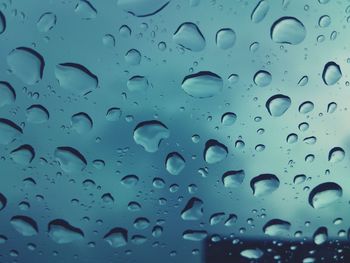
193	209
194	235
262	78
288	30
46	22
70	160
174	163
336	154
306	107
142	8
325	194
189	37
214	152
81	122
203	84
2	23
61	232
278	104
225	38
149	135
9	131
260	11
85	10
138	83
133	57
264	184
23	155
26	64
129	181
277	227
7	94
216	218
232	179
331	73
299	179
228	119
254	253
117	237
37	114
24	225
320	235
75	77
113	114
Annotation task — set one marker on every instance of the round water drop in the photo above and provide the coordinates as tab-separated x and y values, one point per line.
214	152
3	201
331	107
320	236
46	22
141	223
204	84
254	253
174	163
189	37
331	73
233	78
142	8
288	30
306	107
108	40
225	38
133	57
24	225
310	140
325	194
37	114
125	31
138	83
336	154
113	114
228	118
85	10
81	123
134	207
260	11
129	181
149	135
117	237
264	184
9	131
23	155
107	198
194	235
278	104
193	210
233	179
299	179
69	159
61	232
277	227
324	21
292	138
262	78
138	239
75	78
7	94
2	23
26	64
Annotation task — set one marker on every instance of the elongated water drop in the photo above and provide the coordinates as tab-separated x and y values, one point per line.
325	194
174	163
7	94
203	84
264	184
189	37
117	237
24	225
277	227
70	159
260	11
331	73
336	154
61	232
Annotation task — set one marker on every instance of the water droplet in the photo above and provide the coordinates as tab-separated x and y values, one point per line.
129	181
260	11
320	235
75	78
288	30
262	78
306	107
113	114
70	160
278	104
277	227
189	37
174	163
141	223
2	23
299	179
216	218
225	38
254	253
193	210
324	21
214	152
331	73
138	83
37	114
125	31
85	10
108	40
232	179
23	155
194	235
149	135
232	218
81	122
133	57
264	184
24	225
142	8
303	81
26	64
325	194
61	232
292	138
7	94
9	131
336	154
228	118
46	22
331	107
203	84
